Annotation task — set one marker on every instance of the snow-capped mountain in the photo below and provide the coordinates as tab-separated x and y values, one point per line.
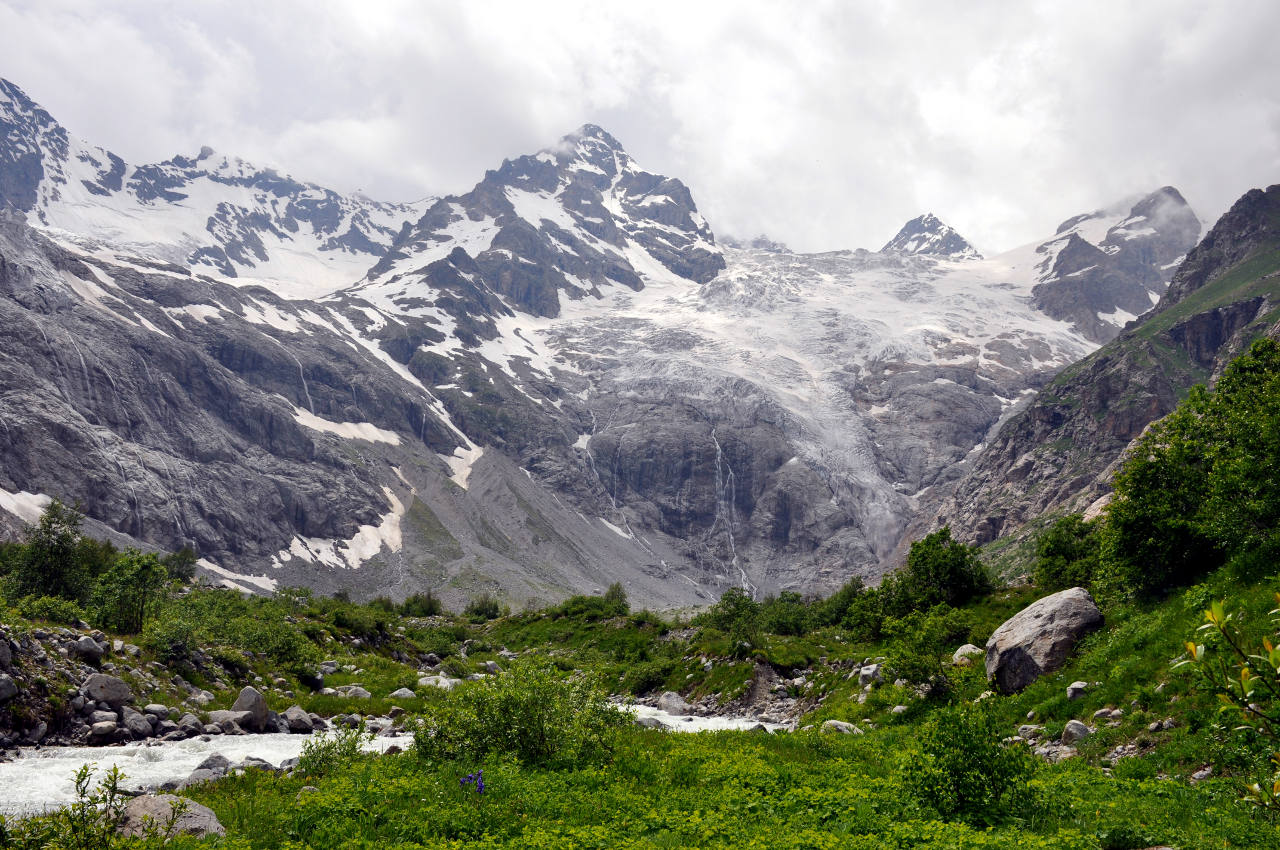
1103	269
930	236
211	213
553	381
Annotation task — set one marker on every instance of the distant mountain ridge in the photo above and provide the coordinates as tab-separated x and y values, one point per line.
214	214
556	380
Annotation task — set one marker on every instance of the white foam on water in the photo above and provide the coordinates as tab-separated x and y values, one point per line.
694	723
40	780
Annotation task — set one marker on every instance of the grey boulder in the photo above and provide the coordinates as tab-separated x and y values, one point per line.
1039	638
841	727
298	720
195	819
88	649
672	703
103	688
255	705
138	725
1075	731
402	693
8	688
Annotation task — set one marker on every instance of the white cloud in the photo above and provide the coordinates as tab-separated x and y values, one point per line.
825	124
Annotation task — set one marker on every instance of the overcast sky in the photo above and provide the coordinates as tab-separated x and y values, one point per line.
823	124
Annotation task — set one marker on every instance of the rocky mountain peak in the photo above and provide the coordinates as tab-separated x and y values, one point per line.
930	236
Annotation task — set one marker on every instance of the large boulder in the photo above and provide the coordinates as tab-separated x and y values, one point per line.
672	703
137	724
1039	638
298	720
103	688
251	701
8	688
195	820
87	649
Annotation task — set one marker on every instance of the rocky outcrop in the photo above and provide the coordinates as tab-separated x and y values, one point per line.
1093	283
1040	638
254	705
1056	454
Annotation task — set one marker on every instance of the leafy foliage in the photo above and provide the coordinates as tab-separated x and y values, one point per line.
324	753
938	570
1202	486
1067	554
738	616
533	713
128	591
964	772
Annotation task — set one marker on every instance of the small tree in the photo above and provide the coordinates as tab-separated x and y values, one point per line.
964	772
129	591
615	599
1067	554
738	615
421	605
938	570
50	566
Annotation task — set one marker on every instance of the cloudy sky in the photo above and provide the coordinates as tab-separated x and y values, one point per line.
823	124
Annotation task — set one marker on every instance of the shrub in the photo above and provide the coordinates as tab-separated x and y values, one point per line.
51	608
421	605
129	591
173	639
324	753
962	770
1067	554
785	614
50	565
483	607
531	713
938	569
738	616
615	598
919	640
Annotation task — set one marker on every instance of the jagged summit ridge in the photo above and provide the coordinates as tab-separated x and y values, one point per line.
572	220
930	236
212	213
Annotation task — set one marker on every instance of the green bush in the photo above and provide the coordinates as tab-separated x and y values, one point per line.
530	713
919	641
785	614
963	771
173	639
421	605
324	753
938	570
738	616
129	591
482	608
53	609
1067	554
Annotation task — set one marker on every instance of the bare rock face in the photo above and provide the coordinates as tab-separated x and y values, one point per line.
195	820
1039	638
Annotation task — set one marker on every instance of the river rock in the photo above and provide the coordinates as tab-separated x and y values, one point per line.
1039	638
217	762
650	723
103	730
672	703
103	688
8	688
190	724
195	820
254	704
298	720
161	712
222	717
137	725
